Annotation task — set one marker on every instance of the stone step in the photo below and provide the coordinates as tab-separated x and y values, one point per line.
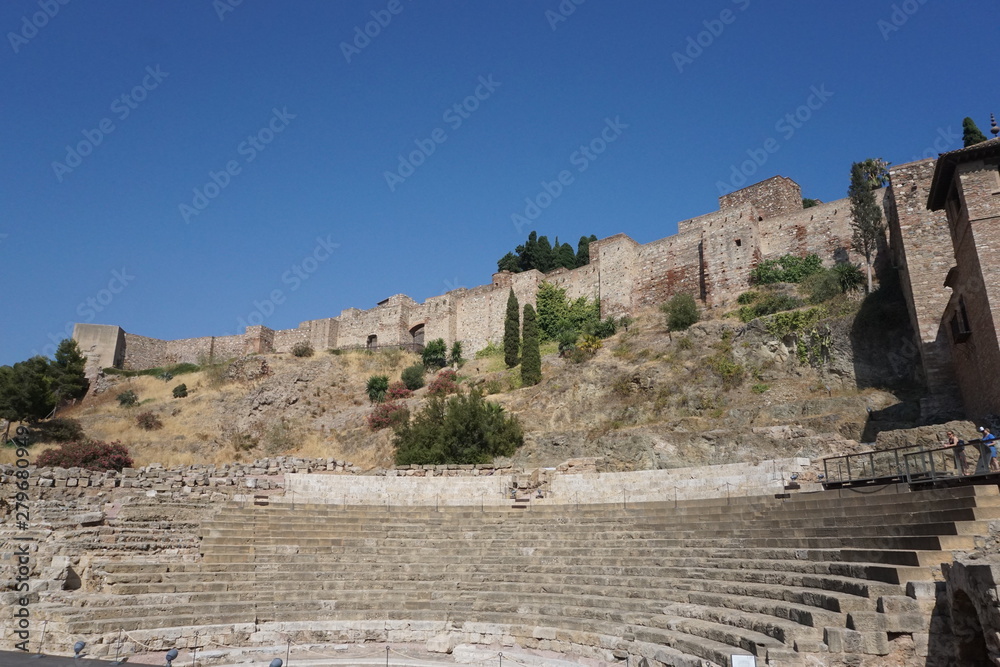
903	542
824	591
853	579
641	526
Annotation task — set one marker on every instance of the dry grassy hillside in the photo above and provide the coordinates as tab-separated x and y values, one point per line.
722	391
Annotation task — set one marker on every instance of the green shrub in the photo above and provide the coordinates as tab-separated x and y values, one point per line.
786	269
127	399
491	350
148	421
160	371
376	387
59	429
852	278
605	328
302	349
685	343
464	429
567	341
724	365
747	298
768	305
91	455
413	377
180	391
435	354
555	313
590	344
760	388
681	312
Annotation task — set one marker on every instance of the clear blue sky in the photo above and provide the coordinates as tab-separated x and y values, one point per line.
329	121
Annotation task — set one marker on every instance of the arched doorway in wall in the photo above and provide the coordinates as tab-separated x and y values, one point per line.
372	342
417	335
970	643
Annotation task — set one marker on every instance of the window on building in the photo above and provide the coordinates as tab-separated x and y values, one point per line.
960	331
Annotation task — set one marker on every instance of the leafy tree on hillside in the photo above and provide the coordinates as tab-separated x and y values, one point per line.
531	356
25	391
971	134
511	331
866	217
463	429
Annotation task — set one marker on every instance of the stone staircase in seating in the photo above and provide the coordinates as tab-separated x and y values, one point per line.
837	576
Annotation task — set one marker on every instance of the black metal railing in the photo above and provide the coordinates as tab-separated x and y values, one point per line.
910	464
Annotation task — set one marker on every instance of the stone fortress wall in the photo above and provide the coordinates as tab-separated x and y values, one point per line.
710	257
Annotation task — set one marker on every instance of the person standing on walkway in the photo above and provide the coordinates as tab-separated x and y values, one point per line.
990	441
961	462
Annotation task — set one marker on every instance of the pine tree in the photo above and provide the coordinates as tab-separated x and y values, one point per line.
531	356
565	257
68	380
511	333
544	261
528	253
509	262
866	217
971	134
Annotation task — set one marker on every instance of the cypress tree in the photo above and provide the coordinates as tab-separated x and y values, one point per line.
531	356
866	216
583	251
971	134
511	333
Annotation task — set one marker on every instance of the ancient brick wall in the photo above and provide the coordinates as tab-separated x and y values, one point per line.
975	218
667	267
774	197
729	251
710	257
824	230
617	257
920	248
388	321
103	345
481	312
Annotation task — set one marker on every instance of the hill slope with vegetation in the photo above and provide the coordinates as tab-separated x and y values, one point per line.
739	386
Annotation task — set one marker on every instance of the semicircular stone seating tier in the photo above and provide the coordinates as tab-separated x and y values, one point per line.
683	584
